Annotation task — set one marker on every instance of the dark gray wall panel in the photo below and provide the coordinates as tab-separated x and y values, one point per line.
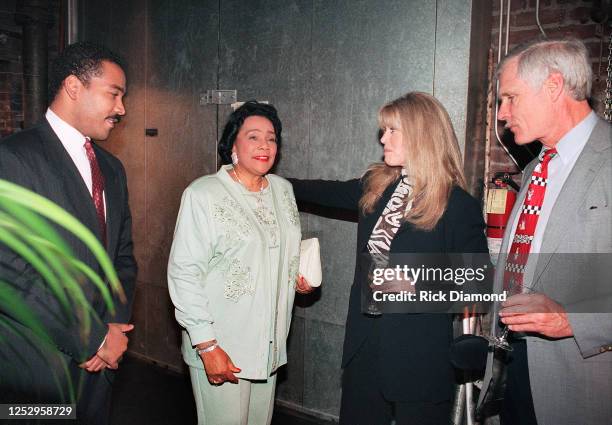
163	340
182	45
290	383
338	240
265	54
363	56
453	61
96	20
138	336
322	360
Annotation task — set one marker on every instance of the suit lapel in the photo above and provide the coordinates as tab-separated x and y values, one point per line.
75	190
516	210
572	194
371	219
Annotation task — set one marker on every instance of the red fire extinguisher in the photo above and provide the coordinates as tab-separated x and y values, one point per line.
500	200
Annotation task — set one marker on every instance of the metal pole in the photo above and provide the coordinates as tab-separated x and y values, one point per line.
72	21
458	405
33	16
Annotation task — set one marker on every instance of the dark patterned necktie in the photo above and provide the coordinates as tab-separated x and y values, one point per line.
528	220
97	188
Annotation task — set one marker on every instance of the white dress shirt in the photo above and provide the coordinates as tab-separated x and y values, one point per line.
74	143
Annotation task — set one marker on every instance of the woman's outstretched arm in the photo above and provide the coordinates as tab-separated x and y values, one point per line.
329	193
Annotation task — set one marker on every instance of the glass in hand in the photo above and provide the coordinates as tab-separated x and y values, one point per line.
501	341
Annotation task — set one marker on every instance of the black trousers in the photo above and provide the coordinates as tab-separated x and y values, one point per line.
363	402
517	408
94	402
40	377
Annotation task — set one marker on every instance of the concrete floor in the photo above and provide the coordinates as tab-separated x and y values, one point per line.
144	393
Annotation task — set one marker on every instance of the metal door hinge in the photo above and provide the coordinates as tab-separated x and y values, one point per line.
218	97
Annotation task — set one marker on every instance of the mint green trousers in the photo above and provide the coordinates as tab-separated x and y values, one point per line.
245	403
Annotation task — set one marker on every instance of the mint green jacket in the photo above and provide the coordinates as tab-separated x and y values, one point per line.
221	279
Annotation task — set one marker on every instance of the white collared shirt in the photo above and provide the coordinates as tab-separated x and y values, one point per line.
559	168
74	143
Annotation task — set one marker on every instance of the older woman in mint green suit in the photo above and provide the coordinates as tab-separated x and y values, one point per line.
233	273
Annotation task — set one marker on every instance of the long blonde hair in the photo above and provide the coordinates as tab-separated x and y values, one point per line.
433	160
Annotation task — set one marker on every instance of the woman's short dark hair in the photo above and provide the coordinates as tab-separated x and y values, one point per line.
81	59
235	121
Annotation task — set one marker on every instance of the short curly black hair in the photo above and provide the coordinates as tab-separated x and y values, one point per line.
235	121
81	59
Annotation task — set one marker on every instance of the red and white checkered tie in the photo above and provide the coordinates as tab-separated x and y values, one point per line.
97	187
525	229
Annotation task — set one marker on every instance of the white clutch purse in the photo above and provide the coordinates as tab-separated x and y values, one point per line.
310	261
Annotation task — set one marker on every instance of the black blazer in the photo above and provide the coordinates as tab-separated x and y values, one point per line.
414	348
36	159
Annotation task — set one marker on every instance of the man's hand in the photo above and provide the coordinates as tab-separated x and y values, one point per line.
219	367
115	344
95	364
535	313
303	287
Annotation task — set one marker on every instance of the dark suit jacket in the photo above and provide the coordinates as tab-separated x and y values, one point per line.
414	348
36	159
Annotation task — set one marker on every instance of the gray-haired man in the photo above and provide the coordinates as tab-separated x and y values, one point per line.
561	368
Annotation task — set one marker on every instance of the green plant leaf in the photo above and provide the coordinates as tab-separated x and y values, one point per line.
29	255
25	228
63	269
13	306
35	223
37	346
53	212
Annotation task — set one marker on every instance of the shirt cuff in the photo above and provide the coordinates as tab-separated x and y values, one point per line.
103	341
201	333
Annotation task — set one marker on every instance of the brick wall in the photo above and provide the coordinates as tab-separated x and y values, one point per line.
558	18
11	78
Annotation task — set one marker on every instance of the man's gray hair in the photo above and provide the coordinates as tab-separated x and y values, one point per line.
538	59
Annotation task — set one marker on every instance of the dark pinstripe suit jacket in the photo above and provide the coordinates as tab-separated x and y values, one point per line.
36	159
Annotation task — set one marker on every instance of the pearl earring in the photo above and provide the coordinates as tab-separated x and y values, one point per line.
234	158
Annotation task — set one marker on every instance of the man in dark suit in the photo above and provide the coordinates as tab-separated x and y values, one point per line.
58	160
561	366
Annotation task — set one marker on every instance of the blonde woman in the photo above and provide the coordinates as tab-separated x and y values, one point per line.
396	366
